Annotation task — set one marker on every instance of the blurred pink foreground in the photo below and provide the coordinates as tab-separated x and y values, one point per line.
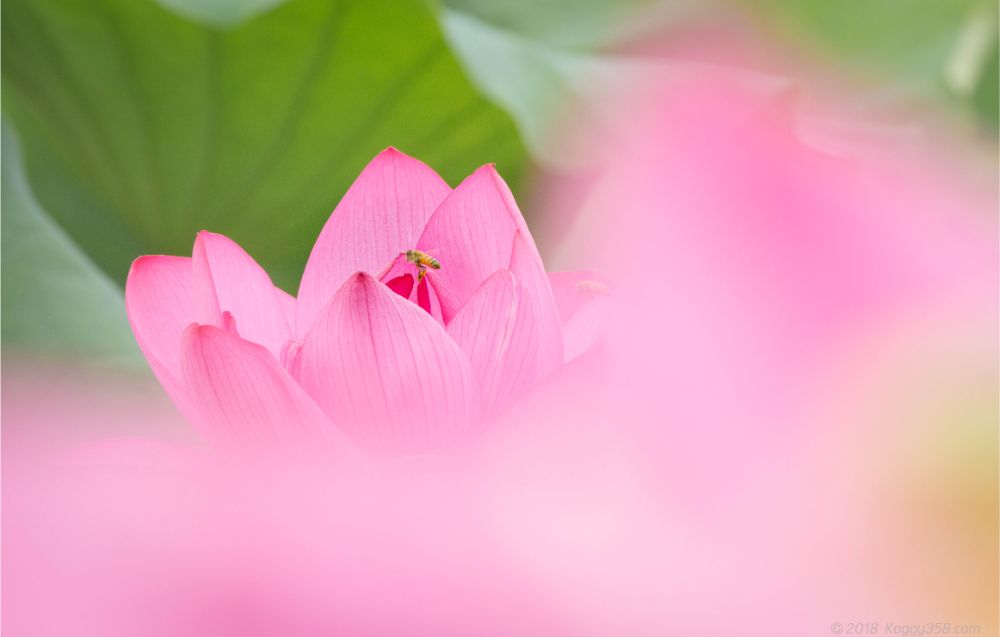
786	422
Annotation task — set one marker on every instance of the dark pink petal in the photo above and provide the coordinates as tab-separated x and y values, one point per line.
401	276
471	234
386	371
429	299
401	285
583	303
381	215
527	268
244	397
498	332
160	303
242	288
398	267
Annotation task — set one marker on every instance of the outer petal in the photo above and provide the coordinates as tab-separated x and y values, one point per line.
526	266
244	397
242	288
471	234
160	302
584	304
385	370
382	214
498	331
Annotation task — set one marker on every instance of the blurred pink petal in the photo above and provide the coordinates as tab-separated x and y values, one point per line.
761	279
132	453
747	438
242	288
584	305
385	371
500	333
568	292
382	214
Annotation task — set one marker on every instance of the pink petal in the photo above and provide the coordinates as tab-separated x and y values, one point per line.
240	287
385	370
244	397
206	299
471	234
382	214
498	331
160	303
527	268
287	303
584	306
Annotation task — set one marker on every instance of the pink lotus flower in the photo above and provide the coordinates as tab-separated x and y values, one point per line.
378	346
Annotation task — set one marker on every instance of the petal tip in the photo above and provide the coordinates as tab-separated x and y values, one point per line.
487	169
146	261
208	235
488	174
201	238
391	153
139	263
362	280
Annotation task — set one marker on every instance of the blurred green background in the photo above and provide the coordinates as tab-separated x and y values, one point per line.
129	125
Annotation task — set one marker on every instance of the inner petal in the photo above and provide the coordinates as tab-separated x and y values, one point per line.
229	323
401	285
427	298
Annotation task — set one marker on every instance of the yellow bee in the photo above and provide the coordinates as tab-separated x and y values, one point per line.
423	261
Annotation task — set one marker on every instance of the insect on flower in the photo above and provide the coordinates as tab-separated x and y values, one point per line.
423	261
